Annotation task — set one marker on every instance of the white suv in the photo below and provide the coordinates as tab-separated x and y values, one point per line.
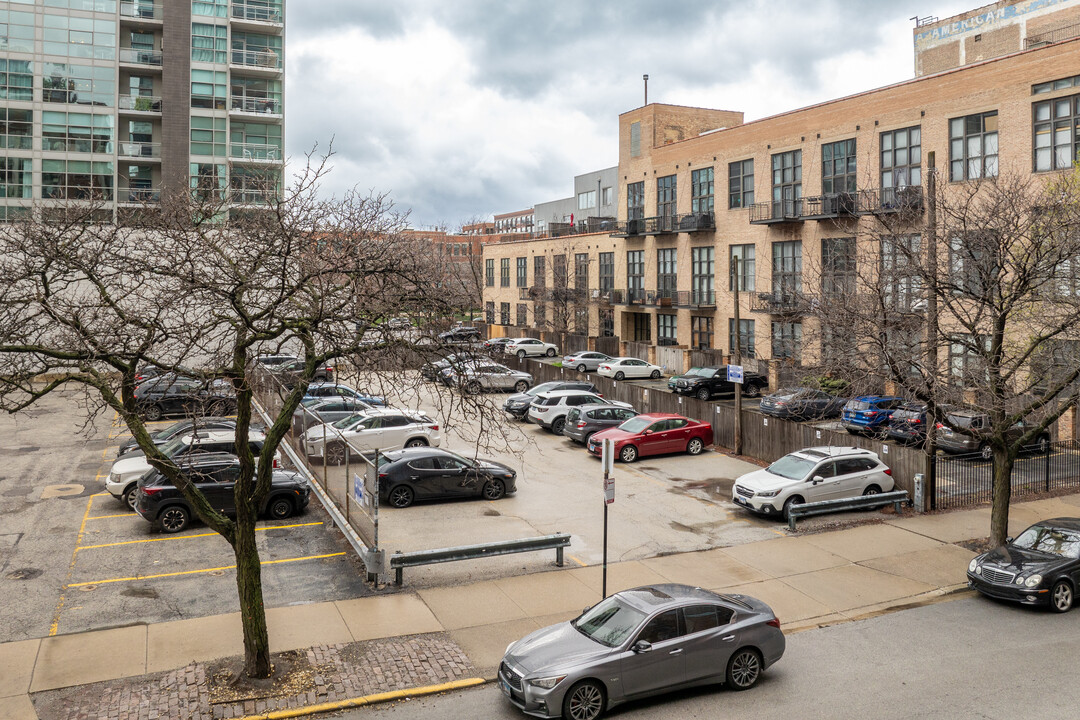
549	409
811	475
375	429
530	347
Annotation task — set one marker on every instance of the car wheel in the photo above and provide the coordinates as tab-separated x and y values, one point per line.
584	701
417	442
401	496
494	489
521	354
628	454
174	518
152	413
655	374
521	386
703	394
751	390
793	500
744	669
473	388
557	425
986	452
128	497
550	352
280	508
588	437
695	446
582	367
620	375
335	453
872	490
1061	597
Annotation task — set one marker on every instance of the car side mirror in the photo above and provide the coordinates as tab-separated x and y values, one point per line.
1009	539
642	646
817	479
648	432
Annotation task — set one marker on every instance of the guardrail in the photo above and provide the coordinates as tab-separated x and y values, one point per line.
897	498
399	560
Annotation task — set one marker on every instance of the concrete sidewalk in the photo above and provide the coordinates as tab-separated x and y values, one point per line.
809	580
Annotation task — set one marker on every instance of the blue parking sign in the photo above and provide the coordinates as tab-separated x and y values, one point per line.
735	373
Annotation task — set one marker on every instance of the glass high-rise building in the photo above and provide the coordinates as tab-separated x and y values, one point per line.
120	101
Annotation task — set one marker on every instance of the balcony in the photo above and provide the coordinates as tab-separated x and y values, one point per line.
139	196
140	150
255	152
631	296
141	13
257	59
255	106
666	298
772	213
661	225
702	299
142	58
630	228
905	201
140	103
256	13
830	207
697	222
781	303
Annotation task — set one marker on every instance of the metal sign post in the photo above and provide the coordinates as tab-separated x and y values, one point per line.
607	459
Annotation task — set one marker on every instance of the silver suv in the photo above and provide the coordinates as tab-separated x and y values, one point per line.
478	377
549	409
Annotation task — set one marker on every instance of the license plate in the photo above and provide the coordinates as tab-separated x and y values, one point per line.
742	501
505	686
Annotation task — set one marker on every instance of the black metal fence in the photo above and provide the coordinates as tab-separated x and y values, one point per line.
969	479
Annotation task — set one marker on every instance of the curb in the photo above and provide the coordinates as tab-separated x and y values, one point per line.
366	700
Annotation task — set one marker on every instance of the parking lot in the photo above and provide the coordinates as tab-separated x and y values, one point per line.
74	558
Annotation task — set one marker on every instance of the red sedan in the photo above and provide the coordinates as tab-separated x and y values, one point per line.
654	434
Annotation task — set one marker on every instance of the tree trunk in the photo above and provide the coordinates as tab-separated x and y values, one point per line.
999	514
249	587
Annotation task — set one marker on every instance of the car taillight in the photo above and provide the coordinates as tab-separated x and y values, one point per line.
917	421
871	413
939	426
888	472
152	489
775	622
329	368
581	424
433	427
780	403
383	476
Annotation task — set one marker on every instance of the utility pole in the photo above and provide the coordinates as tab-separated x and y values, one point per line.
738	358
931	322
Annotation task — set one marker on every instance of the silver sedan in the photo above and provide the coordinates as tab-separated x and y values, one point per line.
586	361
638	643
482	377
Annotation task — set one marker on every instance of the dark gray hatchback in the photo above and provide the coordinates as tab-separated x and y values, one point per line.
582	422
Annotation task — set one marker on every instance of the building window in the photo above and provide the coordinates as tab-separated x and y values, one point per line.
973	146
17	80
786	340
540	315
208	89
1057	133
76	180
667	278
838	268
209	8
489	312
701	191
539	272
522	315
16	128
973	266
702	272
207	180
209	43
666	188
68	84
642	327
701	332
607	272
208	136
256	95
504	313
787	184
1066	280
581	319
607	196
899	272
256	50
786	269
635	138
901	162
581	271
741	184
635	200
559	274
966	366
489	272
259	141
522	272
666	333
838	167
504	274
586	200
635	275
76	132
79	37
745	256
16	178
607	322
19	35
746	337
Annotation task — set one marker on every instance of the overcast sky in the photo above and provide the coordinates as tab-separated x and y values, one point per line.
464	108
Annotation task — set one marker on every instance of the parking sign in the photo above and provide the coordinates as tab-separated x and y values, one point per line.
735	373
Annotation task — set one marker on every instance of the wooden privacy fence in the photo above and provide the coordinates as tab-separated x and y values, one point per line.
639	350
764	438
608	345
671	359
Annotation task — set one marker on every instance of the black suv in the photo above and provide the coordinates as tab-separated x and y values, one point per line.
215	474
178	428
170	394
460	336
518	405
706	382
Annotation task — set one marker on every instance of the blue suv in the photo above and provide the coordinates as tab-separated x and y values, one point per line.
869	413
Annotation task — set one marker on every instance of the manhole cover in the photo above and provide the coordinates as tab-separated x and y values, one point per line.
23	574
87	588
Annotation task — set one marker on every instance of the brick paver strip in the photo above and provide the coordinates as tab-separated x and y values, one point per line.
343	672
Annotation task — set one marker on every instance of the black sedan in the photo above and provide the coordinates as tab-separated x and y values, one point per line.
802	404
1040	567
429	473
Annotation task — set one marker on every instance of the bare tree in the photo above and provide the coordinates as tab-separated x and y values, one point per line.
969	302
199	288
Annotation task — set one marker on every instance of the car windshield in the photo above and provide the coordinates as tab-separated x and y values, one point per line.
792	467
175	445
858	405
542	387
609	622
343	423
907	413
1051	540
700	372
454	455
636	424
172	430
786	392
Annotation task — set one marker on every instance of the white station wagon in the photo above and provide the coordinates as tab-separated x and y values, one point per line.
530	347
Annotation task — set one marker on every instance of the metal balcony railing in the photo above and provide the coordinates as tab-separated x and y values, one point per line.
250	196
822	207
630	296
702	298
141	195
630	228
263	106
1052	36
141	10
255	152
661	225
142	103
268	60
140	57
260	13
781	303
140	150
768	213
907	199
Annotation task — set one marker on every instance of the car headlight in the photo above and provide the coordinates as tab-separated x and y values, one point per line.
548	682
978	570
1033	581
973	564
770	493
508	646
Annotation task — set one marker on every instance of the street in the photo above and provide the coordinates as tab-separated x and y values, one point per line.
969	658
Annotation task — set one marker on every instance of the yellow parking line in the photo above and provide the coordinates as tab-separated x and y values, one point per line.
576	560
184	537
196	572
106	517
55	625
